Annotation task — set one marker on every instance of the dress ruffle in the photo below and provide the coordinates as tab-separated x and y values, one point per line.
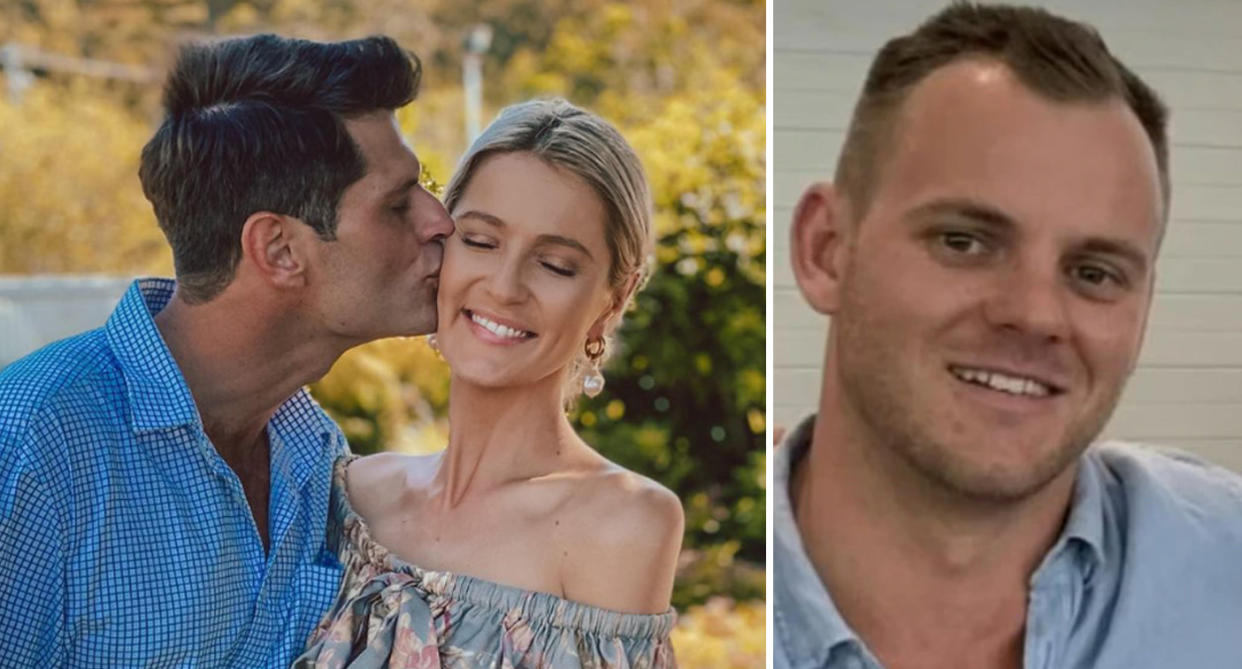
389	613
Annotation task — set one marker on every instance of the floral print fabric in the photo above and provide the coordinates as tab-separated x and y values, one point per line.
389	613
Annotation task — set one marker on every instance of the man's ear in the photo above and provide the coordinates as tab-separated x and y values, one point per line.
270	245
819	241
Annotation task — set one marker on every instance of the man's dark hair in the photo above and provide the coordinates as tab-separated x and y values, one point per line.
1062	60
257	124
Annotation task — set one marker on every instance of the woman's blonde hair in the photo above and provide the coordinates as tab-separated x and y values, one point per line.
573	139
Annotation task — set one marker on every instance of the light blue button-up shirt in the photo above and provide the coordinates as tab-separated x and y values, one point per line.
125	539
1147	572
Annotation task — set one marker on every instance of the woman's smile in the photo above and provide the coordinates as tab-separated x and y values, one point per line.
495	329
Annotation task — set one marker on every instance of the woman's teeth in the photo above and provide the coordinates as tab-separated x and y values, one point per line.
498	329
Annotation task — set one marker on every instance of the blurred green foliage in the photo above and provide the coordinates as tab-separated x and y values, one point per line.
683	81
686	399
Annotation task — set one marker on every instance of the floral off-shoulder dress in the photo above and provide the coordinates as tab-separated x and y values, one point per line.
390	613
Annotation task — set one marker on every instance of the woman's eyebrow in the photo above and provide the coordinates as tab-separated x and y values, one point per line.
483	216
565	241
498	222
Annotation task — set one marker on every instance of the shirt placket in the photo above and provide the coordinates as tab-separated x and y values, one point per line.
1055	595
286	542
274	601
246	532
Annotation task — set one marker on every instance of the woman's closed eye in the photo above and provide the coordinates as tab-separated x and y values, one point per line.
477	242
558	268
556	265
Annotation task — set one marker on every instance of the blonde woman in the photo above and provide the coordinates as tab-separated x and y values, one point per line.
518	545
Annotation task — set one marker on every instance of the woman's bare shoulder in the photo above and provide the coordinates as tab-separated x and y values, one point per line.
627	532
634	504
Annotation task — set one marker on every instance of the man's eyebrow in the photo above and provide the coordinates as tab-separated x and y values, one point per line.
404	185
1117	247
496	221
965	208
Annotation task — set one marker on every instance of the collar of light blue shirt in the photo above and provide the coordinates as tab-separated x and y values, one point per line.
806	621
159	398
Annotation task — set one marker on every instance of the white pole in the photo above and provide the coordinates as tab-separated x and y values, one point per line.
472	83
17	77
476	44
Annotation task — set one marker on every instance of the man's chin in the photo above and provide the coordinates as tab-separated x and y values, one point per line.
418	326
393	330
420	331
994	477
423	329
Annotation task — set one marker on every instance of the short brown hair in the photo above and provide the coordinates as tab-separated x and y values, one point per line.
1062	60
258	124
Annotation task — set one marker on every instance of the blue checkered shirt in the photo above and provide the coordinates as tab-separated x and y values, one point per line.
125	539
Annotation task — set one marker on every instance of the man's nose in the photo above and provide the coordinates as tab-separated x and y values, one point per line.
1032	300
436	224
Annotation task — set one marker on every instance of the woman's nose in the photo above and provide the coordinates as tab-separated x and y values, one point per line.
506	284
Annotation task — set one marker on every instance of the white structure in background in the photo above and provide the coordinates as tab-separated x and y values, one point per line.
1187	390
17	333
477	42
18	60
38	310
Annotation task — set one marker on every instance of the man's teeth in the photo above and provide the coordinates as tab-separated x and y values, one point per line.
498	329
1003	382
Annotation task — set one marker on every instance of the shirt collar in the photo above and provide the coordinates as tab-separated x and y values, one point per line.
1084	533
158	395
160	399
807	623
304	438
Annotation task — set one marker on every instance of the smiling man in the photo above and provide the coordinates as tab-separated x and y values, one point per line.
987	254
164	479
